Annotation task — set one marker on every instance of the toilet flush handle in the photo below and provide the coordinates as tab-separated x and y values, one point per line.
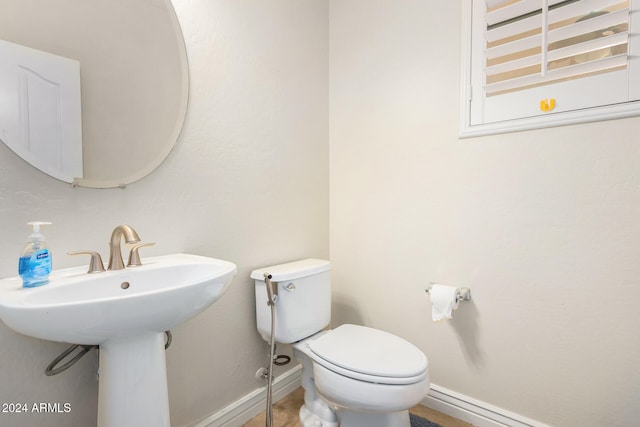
290	287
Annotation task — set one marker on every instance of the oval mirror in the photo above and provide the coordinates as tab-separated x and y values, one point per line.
133	74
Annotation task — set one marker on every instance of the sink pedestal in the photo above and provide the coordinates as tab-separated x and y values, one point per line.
132	389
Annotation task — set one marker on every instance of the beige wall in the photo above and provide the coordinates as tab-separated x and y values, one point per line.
543	226
247	182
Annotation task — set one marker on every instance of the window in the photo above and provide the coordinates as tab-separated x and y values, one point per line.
541	63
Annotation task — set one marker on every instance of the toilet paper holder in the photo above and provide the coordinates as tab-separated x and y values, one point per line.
462	294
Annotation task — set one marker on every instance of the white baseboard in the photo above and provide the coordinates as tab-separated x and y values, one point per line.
247	407
473	411
448	402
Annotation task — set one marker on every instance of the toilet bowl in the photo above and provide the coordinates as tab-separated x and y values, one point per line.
366	376
353	376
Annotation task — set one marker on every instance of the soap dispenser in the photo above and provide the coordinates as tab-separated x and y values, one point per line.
34	265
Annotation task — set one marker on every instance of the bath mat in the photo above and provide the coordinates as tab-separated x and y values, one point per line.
417	421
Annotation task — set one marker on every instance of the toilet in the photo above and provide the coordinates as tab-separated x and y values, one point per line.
353	376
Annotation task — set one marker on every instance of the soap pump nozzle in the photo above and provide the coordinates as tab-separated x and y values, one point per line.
36	236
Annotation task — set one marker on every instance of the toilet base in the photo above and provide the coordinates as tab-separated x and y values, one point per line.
309	419
362	419
356	419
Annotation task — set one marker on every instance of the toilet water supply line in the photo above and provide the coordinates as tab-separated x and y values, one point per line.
279	360
54	369
272	345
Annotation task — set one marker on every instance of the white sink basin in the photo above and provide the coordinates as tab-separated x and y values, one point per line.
82	308
126	312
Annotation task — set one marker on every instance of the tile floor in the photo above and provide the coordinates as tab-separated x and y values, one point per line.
285	413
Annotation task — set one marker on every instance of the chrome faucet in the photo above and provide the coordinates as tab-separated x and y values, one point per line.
115	255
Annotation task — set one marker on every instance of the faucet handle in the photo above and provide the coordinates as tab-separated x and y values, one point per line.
95	265
134	256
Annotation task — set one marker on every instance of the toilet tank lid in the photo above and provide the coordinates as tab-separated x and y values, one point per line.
292	270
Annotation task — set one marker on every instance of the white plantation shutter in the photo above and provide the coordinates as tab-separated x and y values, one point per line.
537	58
579	38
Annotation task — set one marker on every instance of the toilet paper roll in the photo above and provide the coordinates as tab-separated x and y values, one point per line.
443	301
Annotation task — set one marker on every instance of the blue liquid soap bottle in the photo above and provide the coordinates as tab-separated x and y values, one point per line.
34	265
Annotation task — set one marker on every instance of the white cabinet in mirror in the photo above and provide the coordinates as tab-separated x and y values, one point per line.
40	119
133	81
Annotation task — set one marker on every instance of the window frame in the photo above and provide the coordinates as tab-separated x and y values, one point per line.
585	115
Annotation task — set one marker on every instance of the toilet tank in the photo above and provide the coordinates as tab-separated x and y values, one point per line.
303	303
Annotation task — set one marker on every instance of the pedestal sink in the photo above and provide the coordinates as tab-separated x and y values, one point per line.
126	312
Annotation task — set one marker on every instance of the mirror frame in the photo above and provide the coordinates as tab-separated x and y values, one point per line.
154	163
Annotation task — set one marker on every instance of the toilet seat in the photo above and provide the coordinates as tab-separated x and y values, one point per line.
370	355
